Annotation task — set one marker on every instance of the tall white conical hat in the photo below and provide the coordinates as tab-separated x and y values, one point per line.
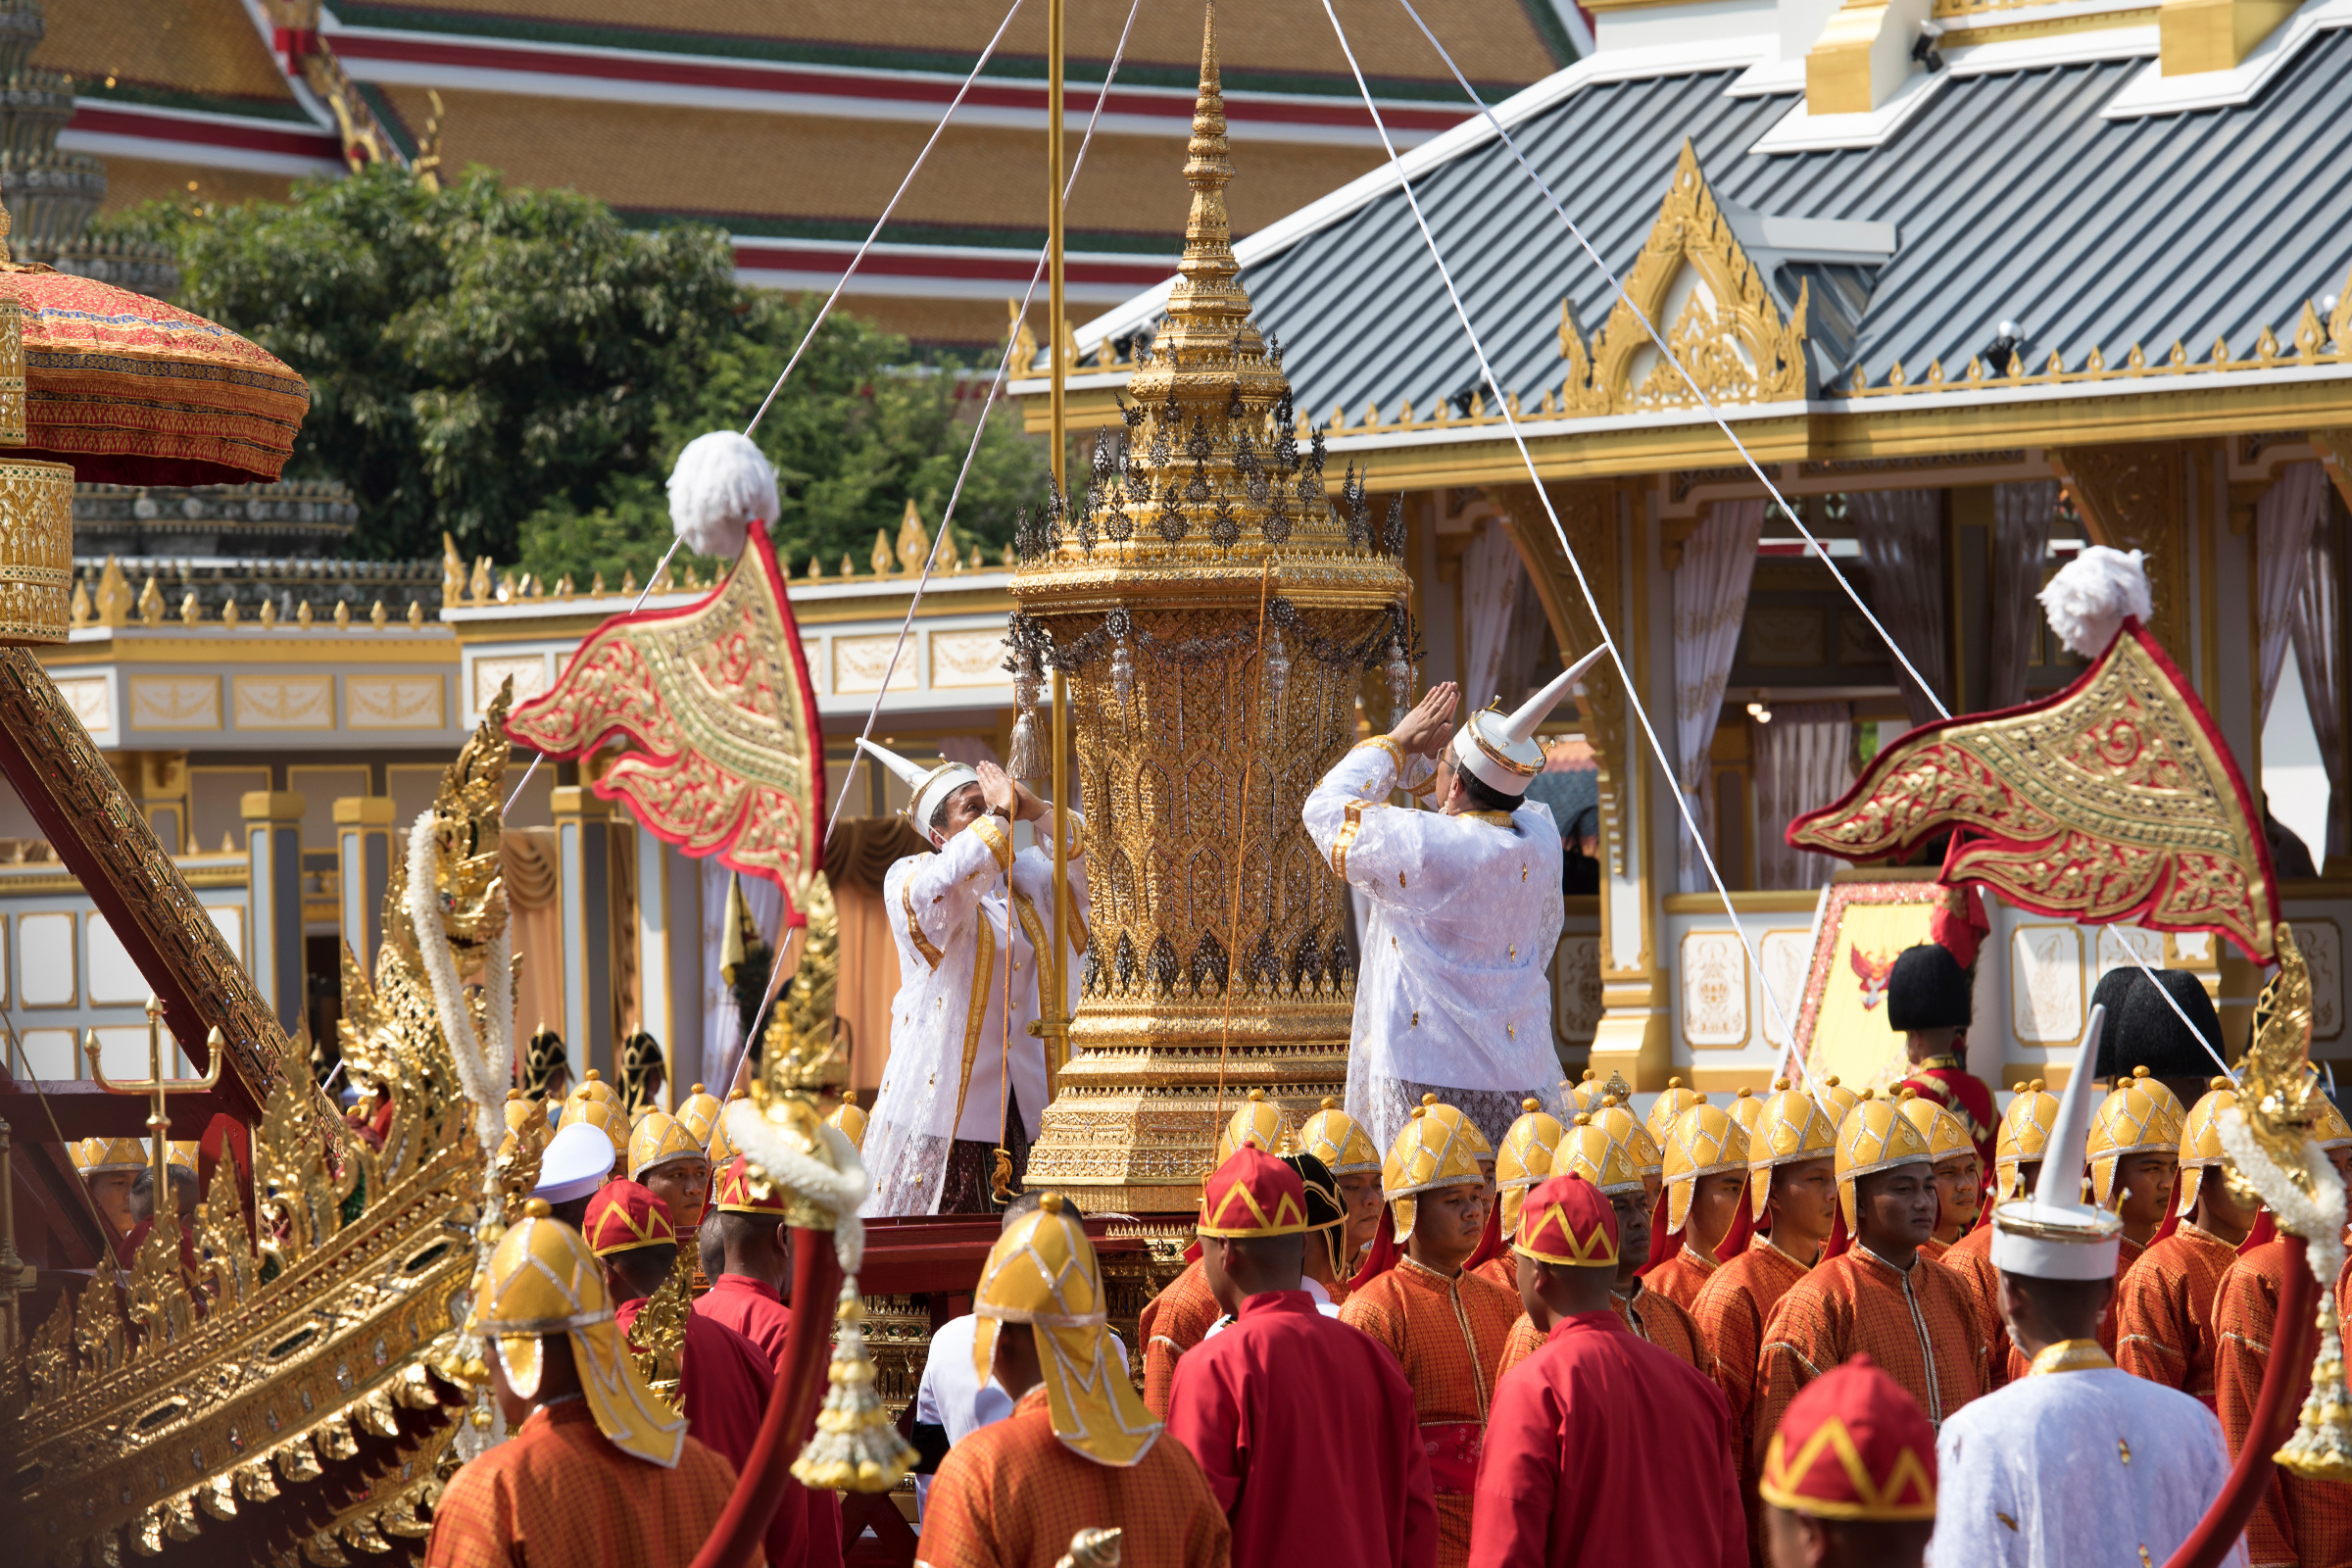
1499	749
2055	1235
930	785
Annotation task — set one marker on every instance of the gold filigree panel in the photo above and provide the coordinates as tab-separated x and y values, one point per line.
2131	498
1693	281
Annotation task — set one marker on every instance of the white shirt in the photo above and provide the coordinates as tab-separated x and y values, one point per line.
2075	1470
951	1394
951	1036
1464	912
1322	1304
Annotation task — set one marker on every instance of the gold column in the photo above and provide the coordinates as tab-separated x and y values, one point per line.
1211	614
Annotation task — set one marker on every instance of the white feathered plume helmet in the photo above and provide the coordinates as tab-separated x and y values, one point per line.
722	482
2092	595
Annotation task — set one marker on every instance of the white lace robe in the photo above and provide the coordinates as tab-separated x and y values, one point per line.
949	1036
2075	1468
1464	911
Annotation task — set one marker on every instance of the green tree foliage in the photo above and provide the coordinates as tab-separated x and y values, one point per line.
518	368
855	435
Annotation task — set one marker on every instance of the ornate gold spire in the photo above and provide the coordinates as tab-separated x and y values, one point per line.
1215	616
1208	307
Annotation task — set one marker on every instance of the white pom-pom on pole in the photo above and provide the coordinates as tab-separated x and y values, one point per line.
721	482
2090	597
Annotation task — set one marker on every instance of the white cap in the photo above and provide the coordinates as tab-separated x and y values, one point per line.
1499	749
2054	1235
931	786
575	1163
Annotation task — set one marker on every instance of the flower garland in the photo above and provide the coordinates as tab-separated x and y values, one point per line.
472	1054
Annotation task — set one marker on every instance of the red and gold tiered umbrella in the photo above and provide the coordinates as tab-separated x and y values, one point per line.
102	384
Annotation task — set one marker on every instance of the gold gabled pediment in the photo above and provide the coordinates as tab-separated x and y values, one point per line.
1694	280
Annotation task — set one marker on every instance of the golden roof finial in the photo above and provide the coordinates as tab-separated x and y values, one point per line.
1206	305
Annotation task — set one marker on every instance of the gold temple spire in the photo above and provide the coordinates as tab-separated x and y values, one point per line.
1207	305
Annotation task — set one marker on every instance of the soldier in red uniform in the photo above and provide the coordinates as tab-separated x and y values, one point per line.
1927	1000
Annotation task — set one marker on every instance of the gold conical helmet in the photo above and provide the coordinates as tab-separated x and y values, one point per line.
1876	1136
1043	1272
698	1113
1438	1146
848	1118
2140	1116
1703	1141
1620	1123
1835	1100
1792	1126
658	1138
1747	1109
1946	1133
1669	1104
1333	1137
1587	1149
1525	1158
2025	1135
2201	1143
542	1278
1260	1121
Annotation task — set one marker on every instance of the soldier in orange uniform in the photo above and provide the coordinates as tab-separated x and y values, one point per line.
1912	1316
2164	1308
1793	1187
596	1468
1079	1450
1705	1175
2016	1167
1444	1326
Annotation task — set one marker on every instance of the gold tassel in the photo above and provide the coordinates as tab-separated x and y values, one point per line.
2321	1448
856	1448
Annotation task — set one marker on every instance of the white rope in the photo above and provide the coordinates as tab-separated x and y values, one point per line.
979	427
1575	231
826	309
937	130
1655	337
1592	603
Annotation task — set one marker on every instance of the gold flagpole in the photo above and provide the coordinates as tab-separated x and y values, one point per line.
1055	1026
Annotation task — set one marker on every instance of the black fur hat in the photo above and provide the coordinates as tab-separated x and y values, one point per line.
1927	990
2143	1031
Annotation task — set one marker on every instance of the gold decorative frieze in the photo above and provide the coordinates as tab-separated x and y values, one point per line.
36	544
12	373
284	702
393	702
175	702
1694	280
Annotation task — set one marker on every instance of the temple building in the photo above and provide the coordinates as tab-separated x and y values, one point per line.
2138	333
790	130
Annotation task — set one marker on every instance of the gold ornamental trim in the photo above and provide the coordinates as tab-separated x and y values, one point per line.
36	543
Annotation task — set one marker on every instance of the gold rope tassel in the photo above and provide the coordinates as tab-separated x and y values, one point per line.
856	1448
2321	1448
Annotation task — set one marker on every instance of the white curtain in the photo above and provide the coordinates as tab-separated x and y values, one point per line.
1902	551
2021	540
1497	599
722	1024
1710	602
1804	760
2283	530
2318	630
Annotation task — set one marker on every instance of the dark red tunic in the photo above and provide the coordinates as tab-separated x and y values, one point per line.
755	1313
1605	1450
1288	1406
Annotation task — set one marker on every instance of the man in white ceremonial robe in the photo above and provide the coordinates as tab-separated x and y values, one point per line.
969	919
2077	1463
1451	997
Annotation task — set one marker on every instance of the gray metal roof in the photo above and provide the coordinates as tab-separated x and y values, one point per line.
2009	196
